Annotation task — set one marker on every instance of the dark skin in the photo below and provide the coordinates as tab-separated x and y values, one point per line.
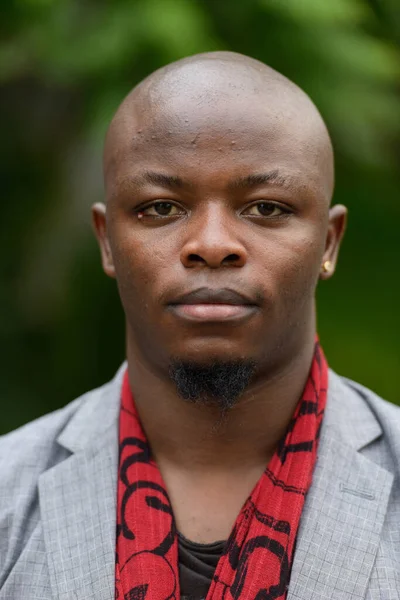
218	174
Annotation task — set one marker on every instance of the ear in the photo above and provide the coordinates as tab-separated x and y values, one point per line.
100	228
336	229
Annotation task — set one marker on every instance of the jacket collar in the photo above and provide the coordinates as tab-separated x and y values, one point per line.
98	412
78	500
348	417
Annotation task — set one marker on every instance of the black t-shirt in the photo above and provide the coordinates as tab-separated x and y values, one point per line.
197	563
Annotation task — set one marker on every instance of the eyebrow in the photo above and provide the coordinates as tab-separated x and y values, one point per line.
257	179
248	181
170	181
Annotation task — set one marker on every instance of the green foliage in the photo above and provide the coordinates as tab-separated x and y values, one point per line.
64	67
310	13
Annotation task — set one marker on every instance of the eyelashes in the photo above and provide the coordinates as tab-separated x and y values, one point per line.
165	210
160	209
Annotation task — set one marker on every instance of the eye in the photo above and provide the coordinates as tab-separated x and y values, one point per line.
266	209
160	209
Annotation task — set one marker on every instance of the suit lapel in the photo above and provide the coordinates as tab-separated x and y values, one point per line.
345	508
78	502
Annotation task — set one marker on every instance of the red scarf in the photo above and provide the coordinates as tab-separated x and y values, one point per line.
258	556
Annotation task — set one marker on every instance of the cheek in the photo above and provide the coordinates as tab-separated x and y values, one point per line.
291	264
139	267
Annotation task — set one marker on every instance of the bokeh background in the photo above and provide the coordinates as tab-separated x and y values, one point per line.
64	67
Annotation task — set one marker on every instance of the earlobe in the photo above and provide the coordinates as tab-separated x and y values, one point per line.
100	228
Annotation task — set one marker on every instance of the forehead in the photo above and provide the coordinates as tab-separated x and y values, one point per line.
217	140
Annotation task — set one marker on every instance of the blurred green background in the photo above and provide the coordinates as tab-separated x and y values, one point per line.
64	67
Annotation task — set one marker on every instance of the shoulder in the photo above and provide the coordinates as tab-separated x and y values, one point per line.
27	453
365	421
387	413
358	401
32	449
32	444
36	447
36	433
384	451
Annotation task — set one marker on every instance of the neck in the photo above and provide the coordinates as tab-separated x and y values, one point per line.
196	436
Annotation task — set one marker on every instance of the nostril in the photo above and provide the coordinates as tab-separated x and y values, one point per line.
231	258
195	258
212	259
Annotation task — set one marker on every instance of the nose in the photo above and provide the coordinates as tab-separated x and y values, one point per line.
212	241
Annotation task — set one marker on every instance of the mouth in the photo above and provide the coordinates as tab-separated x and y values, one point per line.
207	305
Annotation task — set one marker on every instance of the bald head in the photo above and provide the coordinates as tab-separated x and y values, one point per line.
220	91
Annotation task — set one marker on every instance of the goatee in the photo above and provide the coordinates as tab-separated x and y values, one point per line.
219	383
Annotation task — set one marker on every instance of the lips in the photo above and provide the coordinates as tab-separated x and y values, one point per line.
214	296
205	304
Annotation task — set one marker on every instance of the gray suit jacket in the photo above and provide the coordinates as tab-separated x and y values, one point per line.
58	480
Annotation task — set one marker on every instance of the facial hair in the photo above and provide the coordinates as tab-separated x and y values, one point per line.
219	383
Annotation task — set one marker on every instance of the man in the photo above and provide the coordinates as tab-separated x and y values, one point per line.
224	460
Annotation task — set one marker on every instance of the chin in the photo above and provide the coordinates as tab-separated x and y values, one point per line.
211	356
206	349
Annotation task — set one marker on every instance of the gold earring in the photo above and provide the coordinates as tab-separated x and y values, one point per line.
327	266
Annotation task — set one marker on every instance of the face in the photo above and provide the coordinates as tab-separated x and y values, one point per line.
216	225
